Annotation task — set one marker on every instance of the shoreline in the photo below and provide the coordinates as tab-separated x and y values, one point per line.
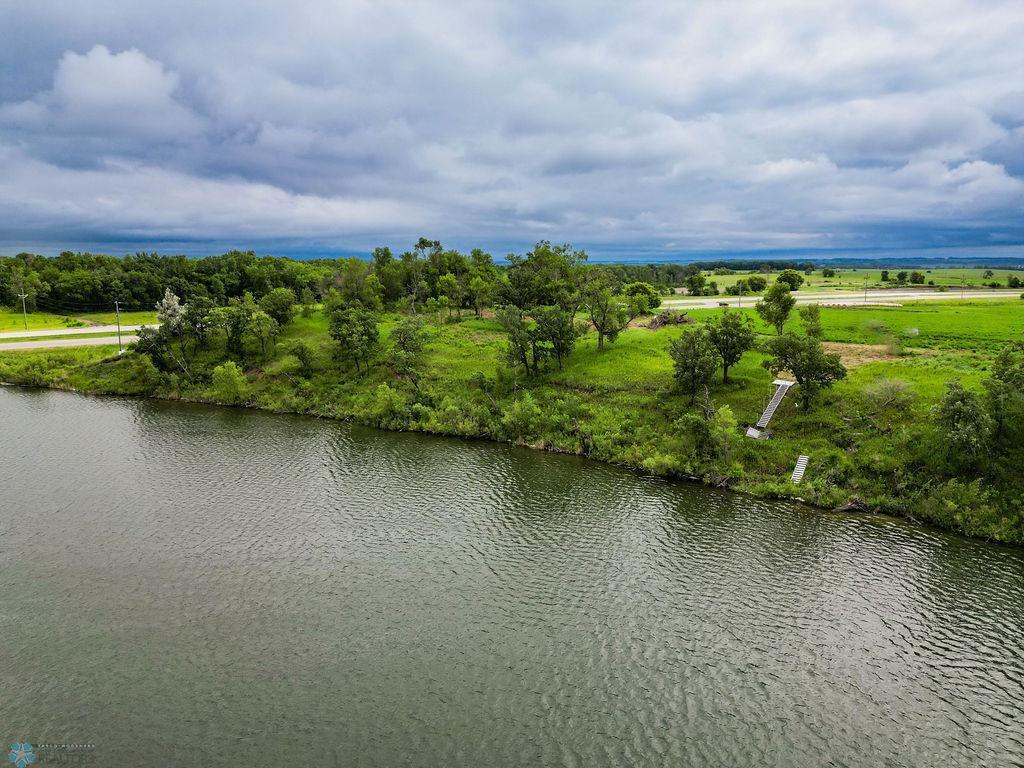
854	509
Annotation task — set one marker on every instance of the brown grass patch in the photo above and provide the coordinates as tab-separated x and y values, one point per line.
855	355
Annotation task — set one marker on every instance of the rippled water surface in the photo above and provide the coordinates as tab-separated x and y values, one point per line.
184	585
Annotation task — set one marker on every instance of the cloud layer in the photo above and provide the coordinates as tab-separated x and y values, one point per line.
658	126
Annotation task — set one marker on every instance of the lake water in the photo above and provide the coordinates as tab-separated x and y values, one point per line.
183	585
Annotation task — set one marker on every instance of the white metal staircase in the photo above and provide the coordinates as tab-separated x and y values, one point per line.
781	388
799	469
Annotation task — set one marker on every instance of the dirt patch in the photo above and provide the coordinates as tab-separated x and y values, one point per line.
855	355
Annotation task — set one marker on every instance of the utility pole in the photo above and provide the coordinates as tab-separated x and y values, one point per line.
962	278
865	289
22	295
24	312
117	311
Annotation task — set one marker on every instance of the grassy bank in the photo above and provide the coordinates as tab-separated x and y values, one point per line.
620	404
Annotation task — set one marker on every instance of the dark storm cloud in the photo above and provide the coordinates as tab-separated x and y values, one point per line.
656	125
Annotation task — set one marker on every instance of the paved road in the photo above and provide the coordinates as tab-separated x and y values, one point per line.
17	346
846	299
68	331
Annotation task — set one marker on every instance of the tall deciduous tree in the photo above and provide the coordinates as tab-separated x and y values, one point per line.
776	305
355	330
732	336
965	429
605	310
694	360
408	344
803	356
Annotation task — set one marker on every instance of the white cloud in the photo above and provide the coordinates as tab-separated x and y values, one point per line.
704	124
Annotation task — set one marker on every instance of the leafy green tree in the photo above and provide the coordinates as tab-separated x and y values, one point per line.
641	298
695	284
355	282
828	272
810	316
408	347
756	283
776	305
917	278
804	357
305	355
549	275
732	335
280	305
233	320
964	428
885	275
606	312
197	320
355	330
479	293
448	286
263	329
522	349
1005	394
791	278
694	359
901	277
557	328
230	386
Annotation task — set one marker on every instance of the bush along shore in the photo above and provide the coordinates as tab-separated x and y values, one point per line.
912	411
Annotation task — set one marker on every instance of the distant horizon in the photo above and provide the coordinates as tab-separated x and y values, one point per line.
996	254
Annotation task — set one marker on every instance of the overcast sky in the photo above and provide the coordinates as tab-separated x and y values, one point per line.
649	127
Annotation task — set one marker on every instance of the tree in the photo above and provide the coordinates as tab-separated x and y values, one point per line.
694	360
805	358
280	305
230	386
479	293
607	314
695	284
641	298
197	320
557	328
732	335
448	285
988	274
901	277
263	329
355	330
408	343
917	278
756	283
549	275
1005	393
791	278
810	316
964	427
885	275
828	272
521	349
170	313
776	305
305	354
233	320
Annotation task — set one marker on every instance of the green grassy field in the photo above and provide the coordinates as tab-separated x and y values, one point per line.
620	405
856	279
15	321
